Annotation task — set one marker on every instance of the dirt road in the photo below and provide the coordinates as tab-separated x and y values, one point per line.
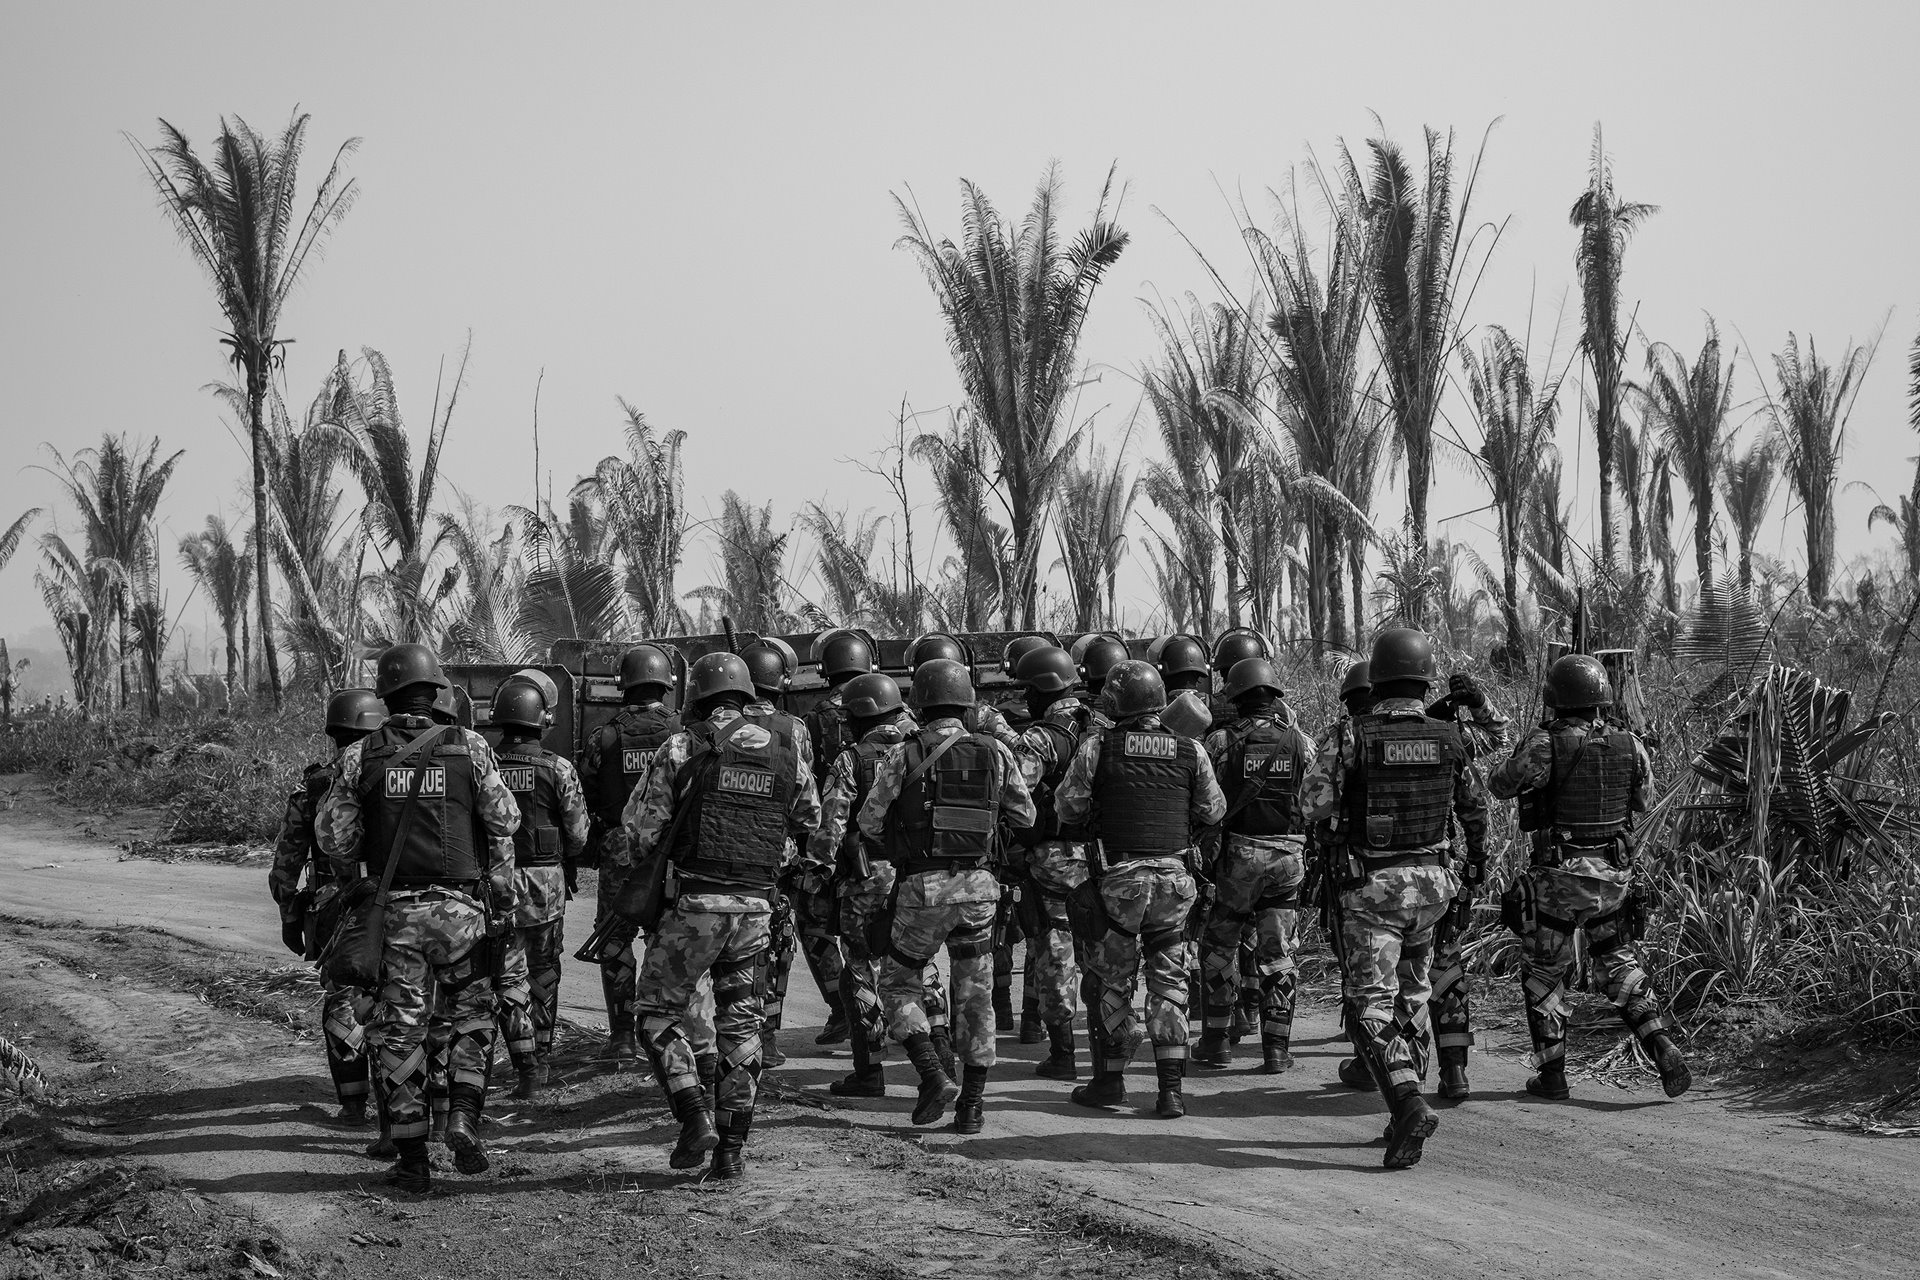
1283	1172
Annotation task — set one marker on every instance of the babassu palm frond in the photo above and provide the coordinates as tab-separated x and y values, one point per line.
1746	490
1727	636
1095	504
10	540
1810	412
643	498
1688	405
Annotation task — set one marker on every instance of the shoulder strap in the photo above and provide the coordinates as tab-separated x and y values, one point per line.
401	832
926	762
1251	789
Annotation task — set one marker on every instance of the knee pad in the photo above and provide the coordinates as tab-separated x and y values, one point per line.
734	980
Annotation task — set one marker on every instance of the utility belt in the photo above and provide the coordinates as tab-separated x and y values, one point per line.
952	866
1361	862
545	851
1116	856
424	883
1550	851
694	884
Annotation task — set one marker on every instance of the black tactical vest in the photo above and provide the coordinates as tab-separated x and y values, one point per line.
627	744
529	773
314	785
1400	797
740	783
947	818
1588	799
444	843
1143	792
1260	774
1065	743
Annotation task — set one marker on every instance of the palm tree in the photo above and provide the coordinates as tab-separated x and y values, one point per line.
644	502
1746	490
1606	222
572	586
1660	527
10	540
752	590
1516	436
322	575
1815	400
80	595
116	489
236	217
484	617
1416	262
1689	407
984	561
226	575
1905	521
1013	310
1096	501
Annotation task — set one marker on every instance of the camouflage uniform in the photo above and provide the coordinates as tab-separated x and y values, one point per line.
343	1010
1148	900
808	923
1484	730
540	895
608	849
986	718
708	932
1054	868
1257	881
1387	914
432	933
1578	891
951	909
864	900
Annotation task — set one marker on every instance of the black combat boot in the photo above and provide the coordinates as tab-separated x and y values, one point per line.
1675	1078
1213	1049
463	1129
942	1038
937	1088
836	1029
969	1109
1059	1063
1106	1089
1276	1055
412	1173
1003	1023
770	1055
729	1153
1032	1030
868	1079
697	1134
1413	1123
1551	1082
437	1127
1453	1075
1356	1074
1170	1105
382	1147
353	1112
529	1082
622	1044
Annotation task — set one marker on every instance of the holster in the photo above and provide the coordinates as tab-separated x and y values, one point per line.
1087	911
1031	908
646	890
1516	906
1202	908
880	927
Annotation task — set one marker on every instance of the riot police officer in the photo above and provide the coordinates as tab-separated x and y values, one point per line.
1382	789
729	801
841	654
616	758
551	838
1581	782
351	715
1145	794
1096	654
935	811
425	806
1260	758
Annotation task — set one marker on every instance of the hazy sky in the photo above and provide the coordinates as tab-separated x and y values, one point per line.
689	206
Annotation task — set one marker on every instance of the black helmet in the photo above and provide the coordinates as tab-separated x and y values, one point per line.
549	690
937	644
1249	674
518	703
1134	688
843	652
1179	654
1097	654
769	664
451	705
715	673
1576	682
1237	645
1401	653
1018	648
1357	680
355	711
871	696
941	682
1049	669
401	665
647	664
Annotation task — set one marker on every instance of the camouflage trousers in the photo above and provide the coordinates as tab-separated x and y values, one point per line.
513	990
1056	869
812	921
432	954
955	910
1256	885
1451	1005
343	1025
862	904
1148	901
542	945
1564	902
618	974
691	944
1386	957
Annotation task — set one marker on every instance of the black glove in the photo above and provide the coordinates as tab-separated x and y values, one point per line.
572	873
294	934
1465	691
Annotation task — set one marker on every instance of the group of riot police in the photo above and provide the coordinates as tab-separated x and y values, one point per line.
1128	811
